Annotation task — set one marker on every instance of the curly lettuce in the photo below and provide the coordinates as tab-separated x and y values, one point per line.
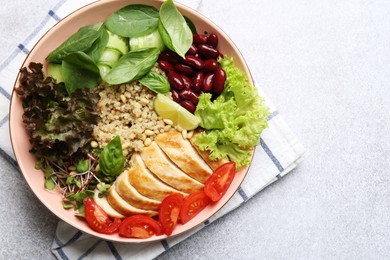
234	120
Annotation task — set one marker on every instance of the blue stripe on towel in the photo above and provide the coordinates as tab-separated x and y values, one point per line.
272	115
242	194
114	251
9	158
5	93
165	244
206	222
90	249
23	48
271	156
54	15
3	121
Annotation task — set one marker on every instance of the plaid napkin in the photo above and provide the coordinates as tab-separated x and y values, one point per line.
278	153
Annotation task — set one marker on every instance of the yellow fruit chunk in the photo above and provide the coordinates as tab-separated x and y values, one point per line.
169	109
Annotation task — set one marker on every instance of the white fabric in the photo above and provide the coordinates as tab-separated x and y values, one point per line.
278	153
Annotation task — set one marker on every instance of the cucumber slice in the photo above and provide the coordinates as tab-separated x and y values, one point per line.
117	42
103	70
109	57
152	40
54	70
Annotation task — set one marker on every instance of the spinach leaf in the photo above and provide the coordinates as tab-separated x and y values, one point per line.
79	71
111	159
176	27
133	20
191	24
155	82
132	66
97	48
82	40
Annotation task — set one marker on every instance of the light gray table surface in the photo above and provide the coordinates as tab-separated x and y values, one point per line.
326	67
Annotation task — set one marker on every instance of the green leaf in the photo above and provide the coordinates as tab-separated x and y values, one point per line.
79	71
82	40
132	66
111	159
155	82
191	24
82	166
97	48
176	27
133	20
49	184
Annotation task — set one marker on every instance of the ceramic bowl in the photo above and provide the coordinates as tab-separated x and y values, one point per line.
90	14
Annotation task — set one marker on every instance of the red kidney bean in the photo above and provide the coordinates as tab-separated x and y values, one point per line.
208	51
184	69
187	81
212	40
188	105
175	80
210	65
170	56
198	81
199	39
188	94
175	96
219	81
194	62
165	65
208	82
192	50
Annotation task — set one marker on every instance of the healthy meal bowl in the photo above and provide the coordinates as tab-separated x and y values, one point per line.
135	121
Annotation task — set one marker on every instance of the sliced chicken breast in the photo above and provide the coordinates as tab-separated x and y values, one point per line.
184	155
214	164
132	196
120	205
159	164
146	183
103	203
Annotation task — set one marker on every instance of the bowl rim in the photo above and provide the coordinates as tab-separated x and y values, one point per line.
70	16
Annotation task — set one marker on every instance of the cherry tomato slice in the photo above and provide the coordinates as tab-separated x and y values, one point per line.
139	226
218	183
168	213
192	205
98	219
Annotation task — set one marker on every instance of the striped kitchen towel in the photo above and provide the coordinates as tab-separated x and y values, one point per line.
277	154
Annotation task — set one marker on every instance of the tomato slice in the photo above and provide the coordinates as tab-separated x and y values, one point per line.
218	183
169	211
98	219
192	205
139	226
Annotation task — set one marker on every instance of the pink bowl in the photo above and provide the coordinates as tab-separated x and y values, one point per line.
90	14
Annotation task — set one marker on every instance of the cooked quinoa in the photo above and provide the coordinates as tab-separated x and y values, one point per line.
127	110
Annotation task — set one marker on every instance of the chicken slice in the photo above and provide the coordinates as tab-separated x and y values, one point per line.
146	183
120	205
159	164
103	203
132	196
184	155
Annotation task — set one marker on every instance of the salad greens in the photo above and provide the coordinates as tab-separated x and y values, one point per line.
234	120
155	82
111	159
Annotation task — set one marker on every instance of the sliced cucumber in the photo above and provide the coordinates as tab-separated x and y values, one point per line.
109	57
54	70
152	40
103	70
118	43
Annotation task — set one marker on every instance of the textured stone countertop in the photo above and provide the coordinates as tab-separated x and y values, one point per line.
326	67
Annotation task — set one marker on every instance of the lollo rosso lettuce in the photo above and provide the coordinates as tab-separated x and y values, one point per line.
58	125
233	121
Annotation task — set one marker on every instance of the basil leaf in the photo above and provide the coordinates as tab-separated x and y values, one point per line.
80	41
133	20
111	159
97	48
133	65
191	24
165	36
155	82
79	71
176	27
